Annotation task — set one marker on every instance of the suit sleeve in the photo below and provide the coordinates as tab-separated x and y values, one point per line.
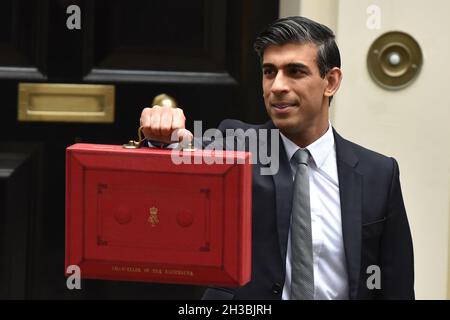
397	259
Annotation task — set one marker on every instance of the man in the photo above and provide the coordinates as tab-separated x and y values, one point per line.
330	226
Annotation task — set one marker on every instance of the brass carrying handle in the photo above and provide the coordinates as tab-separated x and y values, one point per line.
132	144
161	100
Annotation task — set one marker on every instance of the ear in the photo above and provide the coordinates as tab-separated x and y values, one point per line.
333	78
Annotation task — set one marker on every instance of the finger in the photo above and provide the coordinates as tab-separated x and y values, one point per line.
166	121
145	121
145	117
155	122
178	119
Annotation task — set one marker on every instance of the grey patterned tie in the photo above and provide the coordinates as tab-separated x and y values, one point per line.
302	282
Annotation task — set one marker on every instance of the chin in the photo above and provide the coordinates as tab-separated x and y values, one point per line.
286	125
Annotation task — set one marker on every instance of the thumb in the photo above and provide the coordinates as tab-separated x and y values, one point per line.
182	135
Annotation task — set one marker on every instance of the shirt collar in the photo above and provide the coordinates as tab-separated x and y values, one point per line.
319	149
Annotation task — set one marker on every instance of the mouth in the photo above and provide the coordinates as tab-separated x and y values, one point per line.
283	106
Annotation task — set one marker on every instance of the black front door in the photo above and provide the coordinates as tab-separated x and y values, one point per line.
198	51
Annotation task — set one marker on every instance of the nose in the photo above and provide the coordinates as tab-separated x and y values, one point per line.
280	83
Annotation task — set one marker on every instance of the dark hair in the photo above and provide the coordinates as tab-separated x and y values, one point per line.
302	30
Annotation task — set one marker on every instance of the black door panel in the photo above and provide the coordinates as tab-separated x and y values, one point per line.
198	51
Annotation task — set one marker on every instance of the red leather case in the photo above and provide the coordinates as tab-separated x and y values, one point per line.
134	214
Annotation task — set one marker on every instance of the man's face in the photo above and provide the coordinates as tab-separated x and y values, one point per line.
293	89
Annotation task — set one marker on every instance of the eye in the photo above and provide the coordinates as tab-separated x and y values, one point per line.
296	72
268	72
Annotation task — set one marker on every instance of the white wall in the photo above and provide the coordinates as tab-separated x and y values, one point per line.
410	124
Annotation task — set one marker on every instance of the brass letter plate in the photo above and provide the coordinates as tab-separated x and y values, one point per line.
61	102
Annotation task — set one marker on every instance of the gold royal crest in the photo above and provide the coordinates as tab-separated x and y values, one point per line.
153	217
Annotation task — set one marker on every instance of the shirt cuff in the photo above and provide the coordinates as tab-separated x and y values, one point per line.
160	145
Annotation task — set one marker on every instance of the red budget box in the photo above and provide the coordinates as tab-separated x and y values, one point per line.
159	215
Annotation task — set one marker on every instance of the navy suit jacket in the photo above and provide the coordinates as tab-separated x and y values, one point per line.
374	224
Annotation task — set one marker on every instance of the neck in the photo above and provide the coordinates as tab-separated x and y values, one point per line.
305	137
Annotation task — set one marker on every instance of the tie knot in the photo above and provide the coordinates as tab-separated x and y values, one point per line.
301	156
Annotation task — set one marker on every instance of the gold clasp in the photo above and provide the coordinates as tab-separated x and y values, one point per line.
135	144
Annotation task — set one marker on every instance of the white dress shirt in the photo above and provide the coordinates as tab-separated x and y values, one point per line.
330	272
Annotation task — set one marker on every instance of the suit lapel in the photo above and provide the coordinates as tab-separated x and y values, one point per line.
283	192
350	191
283	189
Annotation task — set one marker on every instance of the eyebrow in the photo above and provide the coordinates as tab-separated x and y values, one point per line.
298	65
